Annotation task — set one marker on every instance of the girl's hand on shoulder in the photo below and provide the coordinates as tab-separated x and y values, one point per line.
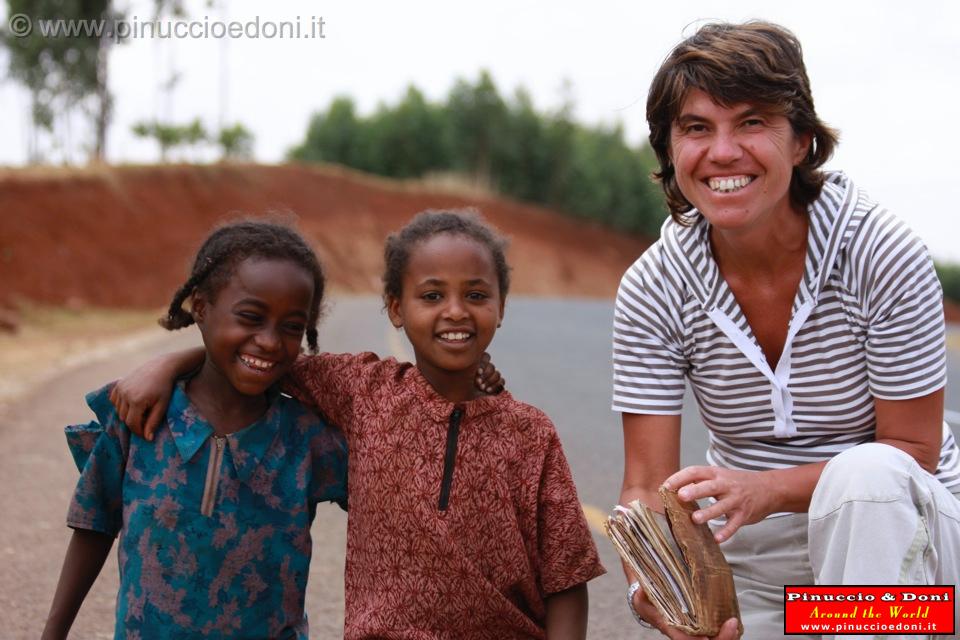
744	497
489	379
141	398
649	613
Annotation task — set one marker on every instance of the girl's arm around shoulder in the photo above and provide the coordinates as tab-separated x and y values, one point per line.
142	396
333	383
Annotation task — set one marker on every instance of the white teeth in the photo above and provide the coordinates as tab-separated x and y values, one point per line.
450	335
726	185
256	363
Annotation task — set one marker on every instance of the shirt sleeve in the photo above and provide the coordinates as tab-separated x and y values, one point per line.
334	384
568	555
100	450
648	361
905	343
328	463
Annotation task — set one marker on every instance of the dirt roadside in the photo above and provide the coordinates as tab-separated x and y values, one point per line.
122	237
49	340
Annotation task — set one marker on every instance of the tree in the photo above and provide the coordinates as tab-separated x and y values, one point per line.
591	172
949	274
533	152
478	118
332	136
409	138
169	136
609	182
236	142
66	71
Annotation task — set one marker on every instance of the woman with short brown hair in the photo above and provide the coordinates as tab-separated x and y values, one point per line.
808	321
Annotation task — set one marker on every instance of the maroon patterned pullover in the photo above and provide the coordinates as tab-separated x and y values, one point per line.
463	517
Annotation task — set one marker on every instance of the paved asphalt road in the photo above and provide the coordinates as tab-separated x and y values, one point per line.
555	355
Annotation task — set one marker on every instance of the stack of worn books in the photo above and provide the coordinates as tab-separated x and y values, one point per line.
687	578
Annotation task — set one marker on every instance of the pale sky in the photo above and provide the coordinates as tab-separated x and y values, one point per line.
885	73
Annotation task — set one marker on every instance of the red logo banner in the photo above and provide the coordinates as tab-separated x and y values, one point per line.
860	610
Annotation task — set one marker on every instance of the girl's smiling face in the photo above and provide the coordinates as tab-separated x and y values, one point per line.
253	327
450	307
734	163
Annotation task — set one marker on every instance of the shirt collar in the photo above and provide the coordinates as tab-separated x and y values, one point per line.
831	217
438	408
247	446
834	219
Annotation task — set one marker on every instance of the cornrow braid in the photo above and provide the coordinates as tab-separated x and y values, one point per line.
230	245
312	335
177	317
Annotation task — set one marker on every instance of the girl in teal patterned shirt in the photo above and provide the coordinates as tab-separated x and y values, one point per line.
214	515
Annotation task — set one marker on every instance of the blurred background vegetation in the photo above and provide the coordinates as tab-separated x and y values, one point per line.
950	279
497	143
476	136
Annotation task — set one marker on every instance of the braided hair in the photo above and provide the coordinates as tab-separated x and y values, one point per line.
230	245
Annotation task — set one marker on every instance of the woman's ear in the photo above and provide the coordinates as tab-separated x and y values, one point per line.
804	140
394	312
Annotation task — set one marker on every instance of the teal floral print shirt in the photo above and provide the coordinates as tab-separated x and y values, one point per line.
214	532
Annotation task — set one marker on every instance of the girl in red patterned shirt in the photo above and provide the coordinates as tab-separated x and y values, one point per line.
464	521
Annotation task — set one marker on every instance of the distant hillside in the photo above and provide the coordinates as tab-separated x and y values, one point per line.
123	236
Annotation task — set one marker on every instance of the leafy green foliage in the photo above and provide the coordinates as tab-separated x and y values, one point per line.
63	72
949	275
333	136
477	117
169	136
236	142
504	144
403	141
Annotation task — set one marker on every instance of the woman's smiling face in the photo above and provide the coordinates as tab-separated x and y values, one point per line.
734	163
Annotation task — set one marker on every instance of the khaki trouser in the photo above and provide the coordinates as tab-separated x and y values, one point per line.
876	517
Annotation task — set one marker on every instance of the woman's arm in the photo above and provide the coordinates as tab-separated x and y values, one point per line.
914	426
142	396
651	446
567	613
85	557
651	449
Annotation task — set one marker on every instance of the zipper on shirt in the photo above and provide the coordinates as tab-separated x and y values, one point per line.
213	476
450	458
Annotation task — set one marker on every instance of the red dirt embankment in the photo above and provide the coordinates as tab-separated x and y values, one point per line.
124	236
